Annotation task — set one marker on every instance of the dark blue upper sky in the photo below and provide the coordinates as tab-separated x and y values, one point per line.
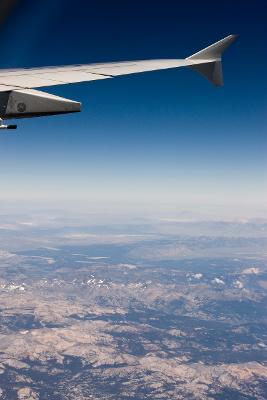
158	138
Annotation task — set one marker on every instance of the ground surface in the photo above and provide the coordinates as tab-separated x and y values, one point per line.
133	311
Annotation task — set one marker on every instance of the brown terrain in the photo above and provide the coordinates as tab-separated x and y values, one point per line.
84	321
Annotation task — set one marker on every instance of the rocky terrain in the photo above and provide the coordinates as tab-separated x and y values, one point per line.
132	316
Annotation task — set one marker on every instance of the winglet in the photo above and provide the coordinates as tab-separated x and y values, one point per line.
208	60
215	51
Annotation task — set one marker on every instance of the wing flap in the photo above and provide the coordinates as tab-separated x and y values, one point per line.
65	77
27	81
44	79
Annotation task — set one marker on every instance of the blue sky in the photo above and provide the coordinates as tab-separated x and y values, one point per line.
162	140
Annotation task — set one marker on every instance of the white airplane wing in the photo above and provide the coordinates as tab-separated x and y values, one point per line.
19	100
203	61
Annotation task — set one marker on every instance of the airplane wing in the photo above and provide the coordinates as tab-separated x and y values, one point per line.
18	100
51	76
